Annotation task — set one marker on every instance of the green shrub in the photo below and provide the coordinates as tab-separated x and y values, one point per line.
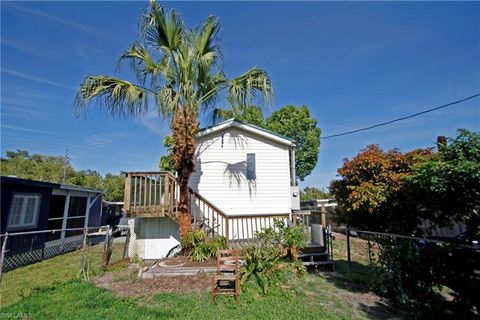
200	247
273	260
291	239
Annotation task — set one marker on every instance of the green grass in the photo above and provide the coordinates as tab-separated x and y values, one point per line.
61	295
18	283
313	298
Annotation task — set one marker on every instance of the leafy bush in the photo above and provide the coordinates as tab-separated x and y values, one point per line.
291	239
274	259
394	192
200	247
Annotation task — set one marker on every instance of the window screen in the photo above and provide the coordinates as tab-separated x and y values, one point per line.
77	206
251	166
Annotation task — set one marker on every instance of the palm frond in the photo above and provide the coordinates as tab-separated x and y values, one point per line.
120	97
162	28
205	41
167	100
210	89
252	84
143	64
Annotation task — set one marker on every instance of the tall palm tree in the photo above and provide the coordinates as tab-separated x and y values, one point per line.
180	72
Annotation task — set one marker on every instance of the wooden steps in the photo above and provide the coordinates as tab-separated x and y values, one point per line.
315	255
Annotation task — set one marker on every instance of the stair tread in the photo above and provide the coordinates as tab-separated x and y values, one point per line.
309	263
301	255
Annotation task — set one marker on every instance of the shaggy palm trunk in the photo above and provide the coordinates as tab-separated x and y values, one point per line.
184	130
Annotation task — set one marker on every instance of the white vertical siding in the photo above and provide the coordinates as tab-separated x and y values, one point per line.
220	174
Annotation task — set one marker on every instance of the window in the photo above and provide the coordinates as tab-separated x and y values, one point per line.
24	210
251	166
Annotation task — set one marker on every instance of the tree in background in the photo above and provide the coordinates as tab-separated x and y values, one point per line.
181	70
393	192
371	193
114	186
251	114
87	178
312	193
50	169
448	185
297	123
24	165
166	161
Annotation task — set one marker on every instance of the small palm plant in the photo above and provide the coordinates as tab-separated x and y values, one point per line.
179	72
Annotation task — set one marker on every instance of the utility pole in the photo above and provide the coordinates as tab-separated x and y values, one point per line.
65	162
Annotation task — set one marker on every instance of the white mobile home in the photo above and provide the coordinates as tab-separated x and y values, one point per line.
243	169
243	180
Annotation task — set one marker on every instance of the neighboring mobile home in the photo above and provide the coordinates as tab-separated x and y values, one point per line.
244	179
29	205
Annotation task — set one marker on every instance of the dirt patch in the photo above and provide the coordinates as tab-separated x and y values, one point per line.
185	262
126	284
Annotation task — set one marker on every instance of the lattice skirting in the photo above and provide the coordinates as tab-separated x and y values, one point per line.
18	260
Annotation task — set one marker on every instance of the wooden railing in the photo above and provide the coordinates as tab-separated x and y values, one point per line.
233	227
150	194
155	194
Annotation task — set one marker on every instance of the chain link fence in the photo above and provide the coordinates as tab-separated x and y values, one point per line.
406	261
42	258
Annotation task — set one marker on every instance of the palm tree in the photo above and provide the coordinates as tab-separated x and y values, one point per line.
180	72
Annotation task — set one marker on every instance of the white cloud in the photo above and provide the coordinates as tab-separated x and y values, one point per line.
17	128
37	79
63	21
37	52
155	123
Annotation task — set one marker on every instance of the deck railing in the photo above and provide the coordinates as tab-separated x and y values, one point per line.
150	194
232	227
155	194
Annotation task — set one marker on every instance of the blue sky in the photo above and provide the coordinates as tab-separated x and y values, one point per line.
353	64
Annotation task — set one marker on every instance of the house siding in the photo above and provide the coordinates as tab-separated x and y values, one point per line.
7	191
221	173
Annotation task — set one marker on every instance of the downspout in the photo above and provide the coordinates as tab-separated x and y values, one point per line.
293	180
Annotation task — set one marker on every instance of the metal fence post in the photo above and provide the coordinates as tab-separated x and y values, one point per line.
330	236
127	243
106	248
84	248
399	271
2	257
349	259
369	251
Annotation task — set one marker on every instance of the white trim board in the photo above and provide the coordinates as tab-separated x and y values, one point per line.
242	126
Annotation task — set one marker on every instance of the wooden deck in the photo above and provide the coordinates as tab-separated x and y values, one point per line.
150	194
155	194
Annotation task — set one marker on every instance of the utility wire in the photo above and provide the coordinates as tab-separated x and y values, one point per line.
400	119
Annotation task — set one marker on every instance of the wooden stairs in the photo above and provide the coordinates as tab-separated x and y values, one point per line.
155	194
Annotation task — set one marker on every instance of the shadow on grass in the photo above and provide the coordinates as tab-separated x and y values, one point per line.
363	279
360	280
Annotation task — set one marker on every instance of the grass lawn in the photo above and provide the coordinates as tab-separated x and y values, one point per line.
18	283
60	295
313	297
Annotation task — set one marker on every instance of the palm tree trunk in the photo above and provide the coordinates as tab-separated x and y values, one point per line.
184	130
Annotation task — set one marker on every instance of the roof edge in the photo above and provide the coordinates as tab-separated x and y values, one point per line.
246	126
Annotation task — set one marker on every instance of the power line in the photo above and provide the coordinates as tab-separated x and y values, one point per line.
400	119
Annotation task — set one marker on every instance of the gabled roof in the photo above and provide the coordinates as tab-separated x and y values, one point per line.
246	127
